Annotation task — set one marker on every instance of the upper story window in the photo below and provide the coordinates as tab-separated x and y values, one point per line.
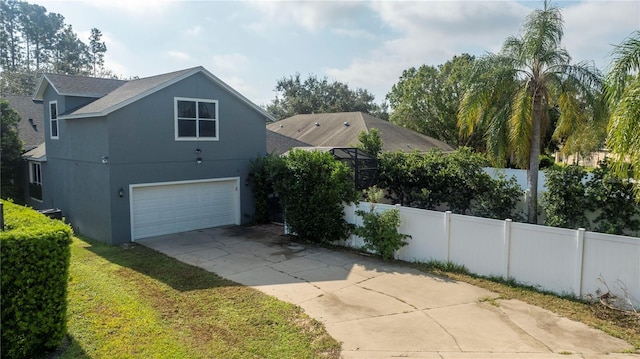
53	119
196	119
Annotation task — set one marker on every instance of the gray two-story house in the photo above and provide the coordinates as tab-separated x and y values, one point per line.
125	160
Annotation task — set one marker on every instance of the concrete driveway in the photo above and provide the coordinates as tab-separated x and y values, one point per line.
383	310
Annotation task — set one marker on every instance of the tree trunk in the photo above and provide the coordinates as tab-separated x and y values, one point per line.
534	160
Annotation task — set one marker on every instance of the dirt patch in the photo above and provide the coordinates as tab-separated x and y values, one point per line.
262	231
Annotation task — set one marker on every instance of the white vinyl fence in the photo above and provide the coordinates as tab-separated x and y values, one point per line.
560	260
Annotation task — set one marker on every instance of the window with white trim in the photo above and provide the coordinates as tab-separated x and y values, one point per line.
53	119
35	181
196	119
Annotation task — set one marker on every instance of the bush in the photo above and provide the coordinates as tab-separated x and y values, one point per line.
262	184
499	200
613	201
564	201
35	264
455	181
313	188
380	230
465	179
546	161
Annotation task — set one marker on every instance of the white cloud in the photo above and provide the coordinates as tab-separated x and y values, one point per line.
373	75
432	32
132	6
429	33
311	15
593	27
194	31
354	33
231	63
179	55
247	88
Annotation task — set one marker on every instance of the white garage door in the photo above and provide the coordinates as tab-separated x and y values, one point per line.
164	208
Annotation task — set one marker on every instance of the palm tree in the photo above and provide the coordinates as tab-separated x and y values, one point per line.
513	91
623	93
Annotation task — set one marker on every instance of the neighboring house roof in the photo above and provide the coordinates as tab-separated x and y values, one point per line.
69	85
342	129
36	154
279	144
31	125
126	92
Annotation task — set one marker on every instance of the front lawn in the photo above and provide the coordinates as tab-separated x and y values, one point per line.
134	302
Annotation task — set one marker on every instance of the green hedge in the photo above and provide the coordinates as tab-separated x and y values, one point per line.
35	252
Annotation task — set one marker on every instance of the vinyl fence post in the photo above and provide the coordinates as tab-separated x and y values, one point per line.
447	231
577	284
507	248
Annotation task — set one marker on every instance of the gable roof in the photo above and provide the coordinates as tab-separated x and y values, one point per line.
31	125
342	129
68	85
279	144
126	92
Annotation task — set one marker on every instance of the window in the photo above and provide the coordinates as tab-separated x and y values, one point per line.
196	119
53	119
35	181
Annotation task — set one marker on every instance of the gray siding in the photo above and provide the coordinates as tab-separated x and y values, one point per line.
74	177
143	148
79	189
139	140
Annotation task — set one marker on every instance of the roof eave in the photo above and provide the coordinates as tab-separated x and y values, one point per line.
41	87
173	81
83	115
36	159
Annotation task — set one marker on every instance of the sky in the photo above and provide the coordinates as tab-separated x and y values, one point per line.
250	45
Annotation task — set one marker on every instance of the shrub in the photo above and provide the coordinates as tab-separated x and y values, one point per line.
455	181
313	188
380	230
499	200
35	263
564	201
465	179
546	161
613	201
262	169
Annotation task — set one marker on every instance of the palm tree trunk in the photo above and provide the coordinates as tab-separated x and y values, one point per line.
534	160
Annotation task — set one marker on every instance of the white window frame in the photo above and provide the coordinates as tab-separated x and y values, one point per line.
35	178
51	121
216	120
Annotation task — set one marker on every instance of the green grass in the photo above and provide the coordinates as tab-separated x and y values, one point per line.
138	303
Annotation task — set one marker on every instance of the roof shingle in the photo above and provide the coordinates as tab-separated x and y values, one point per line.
31	125
342	129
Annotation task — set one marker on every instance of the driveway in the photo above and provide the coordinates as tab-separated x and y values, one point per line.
383	310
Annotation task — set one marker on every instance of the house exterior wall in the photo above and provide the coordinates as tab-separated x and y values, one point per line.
143	149
74	179
139	144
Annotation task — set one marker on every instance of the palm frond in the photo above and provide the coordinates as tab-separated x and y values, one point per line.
520	125
543	29
625	60
624	132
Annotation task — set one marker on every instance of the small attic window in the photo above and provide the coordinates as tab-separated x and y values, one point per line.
317	124
346	124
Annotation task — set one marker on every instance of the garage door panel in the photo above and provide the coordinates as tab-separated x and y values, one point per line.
178	207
